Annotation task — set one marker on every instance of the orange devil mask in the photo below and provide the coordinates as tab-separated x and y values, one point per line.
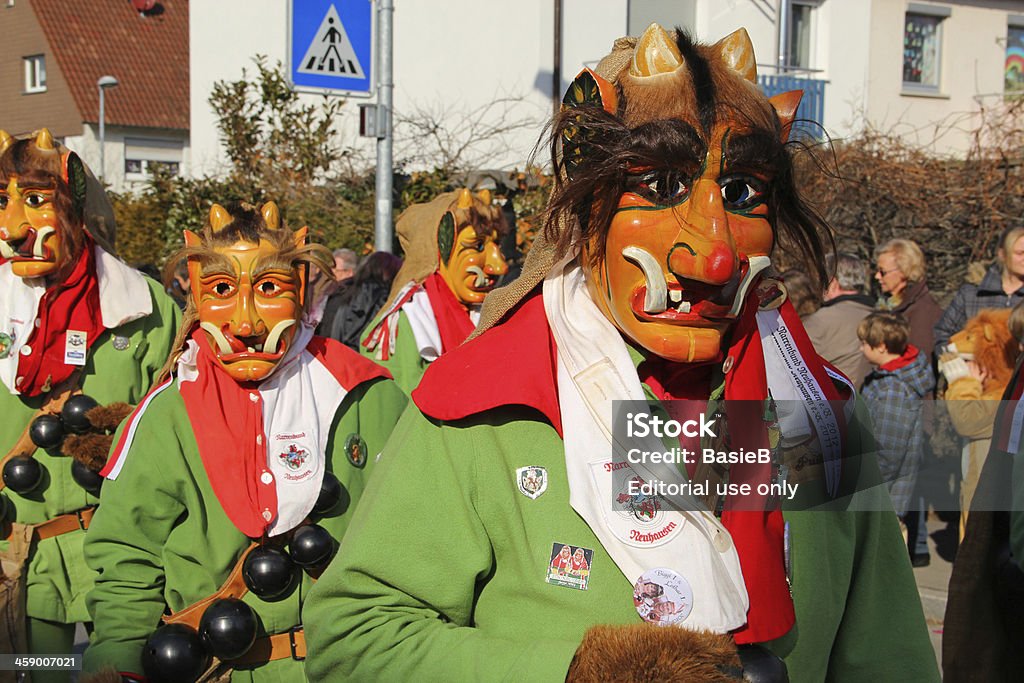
249	286
42	199
469	258
677	175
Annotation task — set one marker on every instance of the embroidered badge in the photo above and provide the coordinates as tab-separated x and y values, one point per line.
635	515
294	458
532	481
662	597
355	450
120	343
6	342
569	566
74	348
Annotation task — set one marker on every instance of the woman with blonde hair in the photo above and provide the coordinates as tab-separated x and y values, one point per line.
900	273
1002	287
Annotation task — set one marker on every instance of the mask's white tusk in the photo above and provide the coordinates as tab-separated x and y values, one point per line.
757	264
656	299
218	336
5	249
37	248
270	346
481	277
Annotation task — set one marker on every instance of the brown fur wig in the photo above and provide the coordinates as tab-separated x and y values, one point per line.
645	653
91	448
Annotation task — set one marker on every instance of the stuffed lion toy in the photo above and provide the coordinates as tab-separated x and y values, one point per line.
973	396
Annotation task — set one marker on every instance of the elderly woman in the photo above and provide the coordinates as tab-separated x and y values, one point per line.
1002	287
900	274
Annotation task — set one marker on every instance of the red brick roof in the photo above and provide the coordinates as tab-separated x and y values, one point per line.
148	55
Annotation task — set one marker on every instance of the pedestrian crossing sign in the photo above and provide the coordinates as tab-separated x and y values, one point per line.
331	46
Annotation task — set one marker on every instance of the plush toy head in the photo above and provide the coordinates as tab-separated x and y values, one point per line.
42	204
469	258
676	173
987	341
249	277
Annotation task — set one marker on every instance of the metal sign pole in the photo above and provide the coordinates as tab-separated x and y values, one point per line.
382	230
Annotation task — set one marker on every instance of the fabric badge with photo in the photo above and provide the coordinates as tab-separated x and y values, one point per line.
74	347
532	481
636	517
356	450
569	566
662	597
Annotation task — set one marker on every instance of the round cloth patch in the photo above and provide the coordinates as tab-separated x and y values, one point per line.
355	450
662	597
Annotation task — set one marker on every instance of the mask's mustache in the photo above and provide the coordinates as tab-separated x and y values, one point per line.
34	238
37	248
481	277
6	250
656	299
269	346
756	265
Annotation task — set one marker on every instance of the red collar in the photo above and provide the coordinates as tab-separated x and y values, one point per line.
903	361
519	355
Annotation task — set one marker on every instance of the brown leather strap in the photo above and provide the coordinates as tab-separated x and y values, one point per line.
63	524
234	587
58	396
271	648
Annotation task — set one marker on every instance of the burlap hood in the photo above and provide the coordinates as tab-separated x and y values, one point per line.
542	256
417	233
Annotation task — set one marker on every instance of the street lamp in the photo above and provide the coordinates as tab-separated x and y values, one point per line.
102	84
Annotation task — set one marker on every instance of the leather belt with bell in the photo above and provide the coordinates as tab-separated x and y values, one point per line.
60	525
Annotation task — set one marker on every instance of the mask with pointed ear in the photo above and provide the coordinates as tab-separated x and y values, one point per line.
786	105
74	176
300	241
587	90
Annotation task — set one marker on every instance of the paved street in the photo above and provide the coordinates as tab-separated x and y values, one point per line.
933	580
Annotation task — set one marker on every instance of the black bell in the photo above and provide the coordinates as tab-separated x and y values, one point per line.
269	573
87	478
228	628
46	431
74	412
330	492
311	546
22	474
174	654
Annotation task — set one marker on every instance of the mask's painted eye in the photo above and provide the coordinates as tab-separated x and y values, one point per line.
268	288
35	199
223	289
3	202
742	192
660	186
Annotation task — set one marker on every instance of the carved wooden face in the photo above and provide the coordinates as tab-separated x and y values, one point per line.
692	229
470	262
29	229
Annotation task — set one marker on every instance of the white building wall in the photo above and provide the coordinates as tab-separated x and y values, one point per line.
87	146
450	59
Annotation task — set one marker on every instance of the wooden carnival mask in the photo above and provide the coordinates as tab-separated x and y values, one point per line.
248	293
693	227
469	256
34	237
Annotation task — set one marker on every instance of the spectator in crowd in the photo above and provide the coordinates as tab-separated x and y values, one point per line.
177	284
894	391
355	304
802	292
900	272
345	264
833	327
1002	287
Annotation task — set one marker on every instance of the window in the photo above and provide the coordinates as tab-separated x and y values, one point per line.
1013	73
922	47
143	156
35	73
798	53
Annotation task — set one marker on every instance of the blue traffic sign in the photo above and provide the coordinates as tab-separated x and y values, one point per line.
331	46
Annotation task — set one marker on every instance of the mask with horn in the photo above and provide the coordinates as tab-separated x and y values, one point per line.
469	255
675	172
42	205
249	282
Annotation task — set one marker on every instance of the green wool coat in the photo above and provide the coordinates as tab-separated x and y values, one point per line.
58	578
406	364
162	540
443	575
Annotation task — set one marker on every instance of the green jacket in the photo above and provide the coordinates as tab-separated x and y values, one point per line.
443	575
405	364
162	540
58	578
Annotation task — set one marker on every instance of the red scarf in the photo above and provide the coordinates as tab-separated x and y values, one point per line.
453	321
73	304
